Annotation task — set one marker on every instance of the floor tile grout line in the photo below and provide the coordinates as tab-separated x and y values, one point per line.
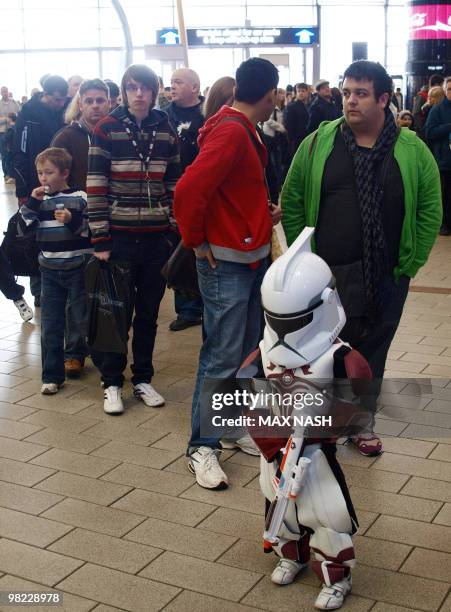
60	538
54	588
224	552
110	505
441	608
437	513
64	497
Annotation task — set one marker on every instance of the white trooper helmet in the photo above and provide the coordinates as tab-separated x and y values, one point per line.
303	312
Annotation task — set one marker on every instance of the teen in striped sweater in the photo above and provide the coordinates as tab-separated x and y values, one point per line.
133	167
62	235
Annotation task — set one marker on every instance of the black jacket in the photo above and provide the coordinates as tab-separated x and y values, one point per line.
295	118
321	110
187	123
438	133
35	127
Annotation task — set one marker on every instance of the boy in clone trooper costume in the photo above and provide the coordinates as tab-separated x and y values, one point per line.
303	317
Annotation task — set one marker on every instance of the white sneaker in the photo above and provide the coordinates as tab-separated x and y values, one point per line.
50	388
204	464
286	571
24	310
245	444
333	597
113	400
146	393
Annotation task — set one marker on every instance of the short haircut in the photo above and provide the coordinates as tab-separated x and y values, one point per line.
93	84
12	116
436	79
55	84
254	79
57	156
302	86
140	74
113	88
364	70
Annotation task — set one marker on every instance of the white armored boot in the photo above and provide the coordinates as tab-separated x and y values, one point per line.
332	597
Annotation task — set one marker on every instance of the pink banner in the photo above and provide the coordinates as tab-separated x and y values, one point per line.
430	22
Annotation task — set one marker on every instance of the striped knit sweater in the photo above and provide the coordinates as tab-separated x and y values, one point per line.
62	245
124	195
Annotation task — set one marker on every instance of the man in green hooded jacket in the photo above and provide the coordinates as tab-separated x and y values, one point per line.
372	192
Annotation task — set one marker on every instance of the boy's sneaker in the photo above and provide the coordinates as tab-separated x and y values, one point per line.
113	400
204	464
286	571
332	597
50	388
146	393
74	367
24	310
244	444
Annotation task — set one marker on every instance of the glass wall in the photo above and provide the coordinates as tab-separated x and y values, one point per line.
38	37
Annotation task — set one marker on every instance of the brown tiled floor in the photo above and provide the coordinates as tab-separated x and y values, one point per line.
104	510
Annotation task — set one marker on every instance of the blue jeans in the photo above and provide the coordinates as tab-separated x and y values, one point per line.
146	254
75	345
189	310
233	324
58	288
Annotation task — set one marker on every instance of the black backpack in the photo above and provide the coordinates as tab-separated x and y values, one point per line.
20	248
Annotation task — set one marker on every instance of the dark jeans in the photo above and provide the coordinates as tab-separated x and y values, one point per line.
59	287
445	178
373	341
146	255
8	286
35	286
189	310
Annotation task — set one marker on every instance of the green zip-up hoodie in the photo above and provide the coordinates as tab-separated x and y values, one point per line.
301	193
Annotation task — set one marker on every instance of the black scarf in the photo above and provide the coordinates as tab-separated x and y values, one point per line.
370	193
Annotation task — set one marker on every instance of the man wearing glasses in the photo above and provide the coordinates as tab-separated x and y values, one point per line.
133	166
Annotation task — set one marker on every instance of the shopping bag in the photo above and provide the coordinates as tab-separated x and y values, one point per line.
109	305
180	272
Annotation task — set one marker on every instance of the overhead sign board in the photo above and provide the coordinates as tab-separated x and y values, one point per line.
239	37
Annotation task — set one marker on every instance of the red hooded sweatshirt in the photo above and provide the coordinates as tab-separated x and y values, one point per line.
221	198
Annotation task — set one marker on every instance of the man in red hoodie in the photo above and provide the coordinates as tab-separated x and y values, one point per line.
224	214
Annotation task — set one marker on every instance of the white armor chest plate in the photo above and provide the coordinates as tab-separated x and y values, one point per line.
321	368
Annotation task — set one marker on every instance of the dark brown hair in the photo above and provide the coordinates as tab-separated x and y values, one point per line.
140	74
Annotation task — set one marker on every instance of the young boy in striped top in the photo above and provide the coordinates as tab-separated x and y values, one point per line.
62	235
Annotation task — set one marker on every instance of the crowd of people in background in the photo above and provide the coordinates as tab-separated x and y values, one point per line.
119	176
130	147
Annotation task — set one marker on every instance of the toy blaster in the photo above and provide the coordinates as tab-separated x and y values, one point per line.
293	471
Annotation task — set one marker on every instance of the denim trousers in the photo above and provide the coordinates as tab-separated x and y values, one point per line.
186	308
146	255
58	288
233	322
